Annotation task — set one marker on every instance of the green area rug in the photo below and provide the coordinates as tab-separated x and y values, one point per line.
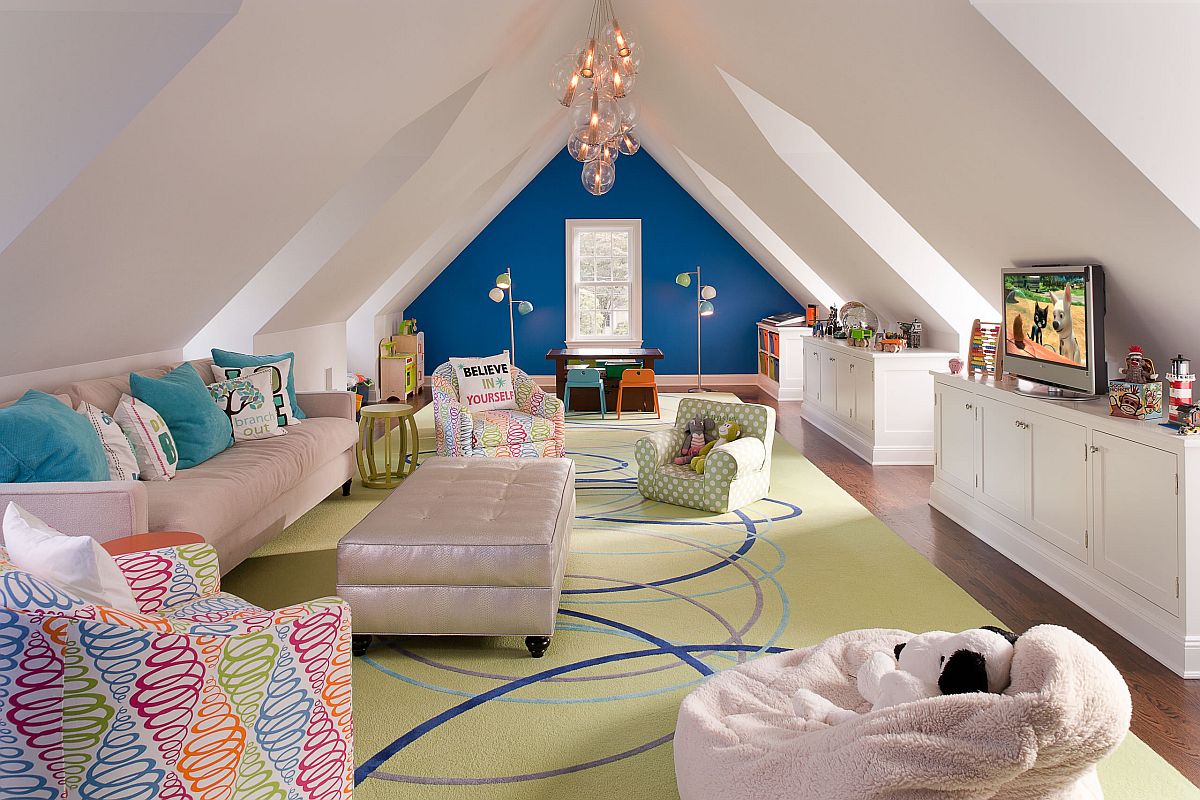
479	719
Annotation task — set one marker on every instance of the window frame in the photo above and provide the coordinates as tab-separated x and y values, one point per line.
634	228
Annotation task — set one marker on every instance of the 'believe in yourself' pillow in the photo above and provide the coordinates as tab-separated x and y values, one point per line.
485	384
247	403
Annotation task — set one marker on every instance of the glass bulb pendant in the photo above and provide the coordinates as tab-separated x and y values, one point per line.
587	61
627	143
599	176
580	149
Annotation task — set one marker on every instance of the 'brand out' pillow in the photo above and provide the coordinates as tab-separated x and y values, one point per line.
247	403
153	445
485	384
228	358
122	463
43	440
280	373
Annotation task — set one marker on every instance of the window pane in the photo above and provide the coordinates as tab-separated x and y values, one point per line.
620	243
587	269
603	269
587	244
620	269
603	310
604	243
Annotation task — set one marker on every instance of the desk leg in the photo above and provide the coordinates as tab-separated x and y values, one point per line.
560	376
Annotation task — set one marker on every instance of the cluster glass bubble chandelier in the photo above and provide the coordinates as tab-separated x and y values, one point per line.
593	83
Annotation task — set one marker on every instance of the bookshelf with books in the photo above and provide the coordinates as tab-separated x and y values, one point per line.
781	360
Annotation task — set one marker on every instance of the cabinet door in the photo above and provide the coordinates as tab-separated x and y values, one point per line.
954	438
1135	515
844	368
812	374
1003	458
864	394
1058	483
828	380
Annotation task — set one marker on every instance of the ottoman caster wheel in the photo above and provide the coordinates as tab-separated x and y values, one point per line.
537	645
359	644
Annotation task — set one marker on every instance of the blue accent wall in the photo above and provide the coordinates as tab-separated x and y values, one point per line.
529	235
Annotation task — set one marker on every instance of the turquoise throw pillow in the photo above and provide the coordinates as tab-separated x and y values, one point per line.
200	429
228	358
42	439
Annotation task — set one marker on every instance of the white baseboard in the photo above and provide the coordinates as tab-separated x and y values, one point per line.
1146	629
860	443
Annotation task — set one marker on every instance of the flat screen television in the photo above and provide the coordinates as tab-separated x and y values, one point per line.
1054	329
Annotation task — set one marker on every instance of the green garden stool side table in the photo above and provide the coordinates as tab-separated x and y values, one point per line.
386	474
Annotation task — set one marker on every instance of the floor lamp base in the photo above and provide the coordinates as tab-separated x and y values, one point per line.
701	389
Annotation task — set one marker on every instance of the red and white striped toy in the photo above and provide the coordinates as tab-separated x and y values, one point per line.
1181	379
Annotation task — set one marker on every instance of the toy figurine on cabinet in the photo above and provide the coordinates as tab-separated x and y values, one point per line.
1139	368
912	334
1189	419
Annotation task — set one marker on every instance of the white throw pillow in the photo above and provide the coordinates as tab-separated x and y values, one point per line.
278	372
153	446
247	403
122	464
485	384
77	564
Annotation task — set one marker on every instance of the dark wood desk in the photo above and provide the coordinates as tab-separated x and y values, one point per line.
560	356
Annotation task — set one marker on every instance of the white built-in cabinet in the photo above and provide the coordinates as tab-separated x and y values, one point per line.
879	405
781	360
1093	505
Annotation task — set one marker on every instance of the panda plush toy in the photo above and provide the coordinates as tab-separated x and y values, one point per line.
933	663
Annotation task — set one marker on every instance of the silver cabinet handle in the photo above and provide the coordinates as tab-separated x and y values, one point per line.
831	358
968	406
1021	425
1093	449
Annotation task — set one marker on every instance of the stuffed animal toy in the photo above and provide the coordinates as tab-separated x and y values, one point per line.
697	433
726	433
933	663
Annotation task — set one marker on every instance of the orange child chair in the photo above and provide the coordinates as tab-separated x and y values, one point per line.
638	379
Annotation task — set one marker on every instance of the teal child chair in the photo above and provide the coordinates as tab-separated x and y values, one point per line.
584	378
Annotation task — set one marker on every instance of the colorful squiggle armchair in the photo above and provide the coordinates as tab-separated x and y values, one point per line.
536	429
200	695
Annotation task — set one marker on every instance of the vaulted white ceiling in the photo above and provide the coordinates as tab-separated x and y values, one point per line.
190	173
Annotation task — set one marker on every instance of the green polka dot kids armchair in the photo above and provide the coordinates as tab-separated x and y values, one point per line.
735	474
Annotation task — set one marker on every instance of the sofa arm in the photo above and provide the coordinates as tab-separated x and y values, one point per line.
327	404
737	458
658	449
169	576
103	510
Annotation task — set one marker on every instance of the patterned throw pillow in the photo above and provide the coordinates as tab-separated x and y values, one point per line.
246	401
279	373
153	445
122	464
485	384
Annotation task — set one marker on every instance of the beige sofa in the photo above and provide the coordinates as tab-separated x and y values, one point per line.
237	500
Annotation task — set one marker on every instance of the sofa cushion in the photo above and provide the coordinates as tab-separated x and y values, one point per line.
215	497
201	430
495	428
227	358
42	439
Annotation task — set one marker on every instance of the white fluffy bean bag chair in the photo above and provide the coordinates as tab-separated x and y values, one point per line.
1066	709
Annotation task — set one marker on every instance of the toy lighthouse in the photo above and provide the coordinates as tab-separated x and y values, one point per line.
1181	379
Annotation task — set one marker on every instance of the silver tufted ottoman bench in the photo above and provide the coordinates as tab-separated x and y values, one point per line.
465	546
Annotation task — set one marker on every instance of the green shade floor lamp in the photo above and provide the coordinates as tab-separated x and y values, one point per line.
704	308
504	285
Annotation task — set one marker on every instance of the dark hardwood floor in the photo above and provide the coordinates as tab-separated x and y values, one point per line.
1166	708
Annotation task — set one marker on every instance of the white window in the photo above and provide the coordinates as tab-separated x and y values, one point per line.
604	282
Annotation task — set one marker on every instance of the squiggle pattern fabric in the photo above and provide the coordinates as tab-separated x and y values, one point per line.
535	430
202	696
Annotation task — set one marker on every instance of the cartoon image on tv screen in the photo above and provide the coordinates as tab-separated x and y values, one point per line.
1046	318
